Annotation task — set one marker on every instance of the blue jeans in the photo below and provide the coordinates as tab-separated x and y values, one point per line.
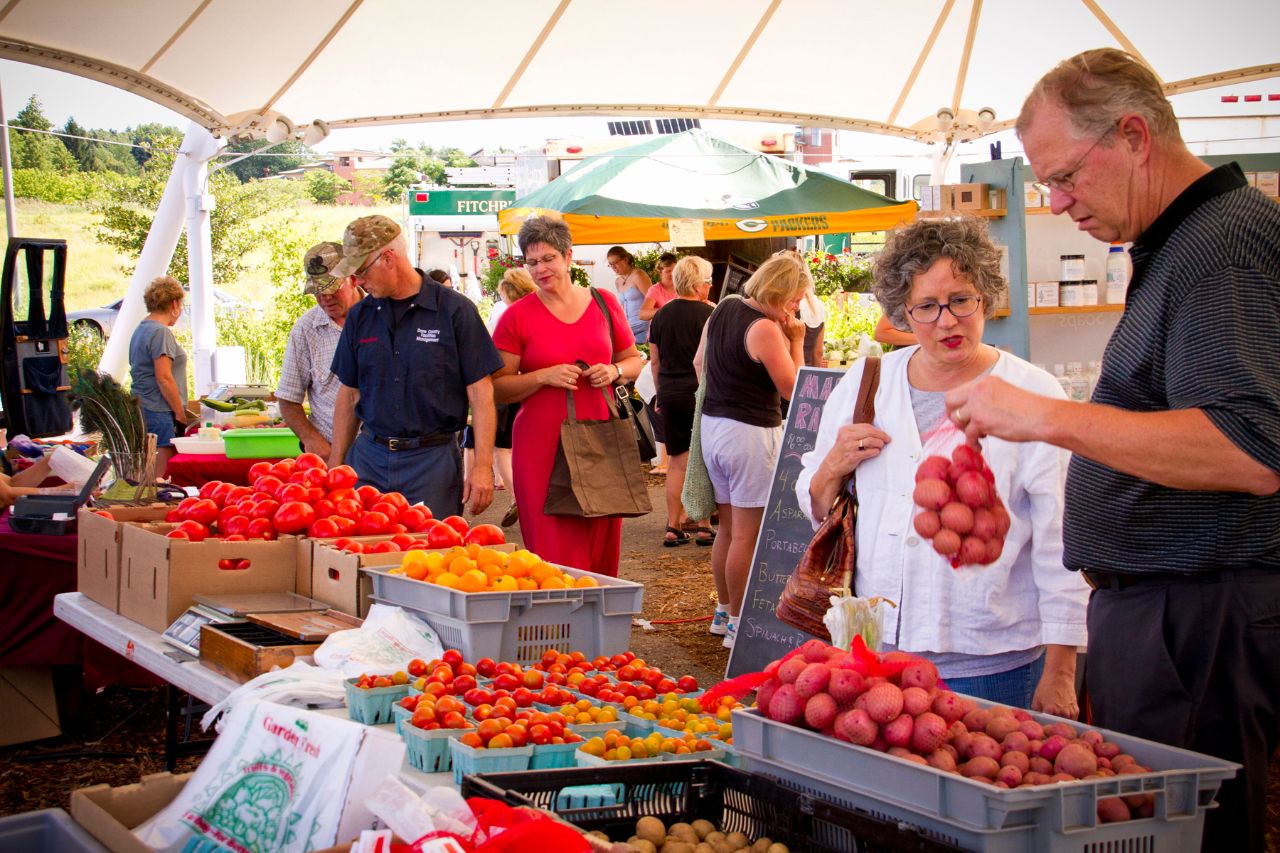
1014	687
430	475
160	423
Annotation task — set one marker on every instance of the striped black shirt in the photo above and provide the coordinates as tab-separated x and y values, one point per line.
1201	329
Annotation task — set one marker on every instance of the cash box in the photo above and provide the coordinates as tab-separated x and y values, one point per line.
54	515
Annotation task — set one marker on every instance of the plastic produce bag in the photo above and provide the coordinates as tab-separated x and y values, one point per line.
275	780
851	617
388	639
300	685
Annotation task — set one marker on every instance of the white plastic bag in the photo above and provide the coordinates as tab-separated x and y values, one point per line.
849	617
275	780
300	685
645	385
440	809
388	639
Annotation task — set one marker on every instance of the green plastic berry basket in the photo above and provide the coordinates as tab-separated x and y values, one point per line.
373	706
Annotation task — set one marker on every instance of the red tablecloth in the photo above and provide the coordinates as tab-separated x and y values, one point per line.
196	469
33	569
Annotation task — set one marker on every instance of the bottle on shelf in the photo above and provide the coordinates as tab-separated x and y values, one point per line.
1060	374
1118	267
1077	383
1095	368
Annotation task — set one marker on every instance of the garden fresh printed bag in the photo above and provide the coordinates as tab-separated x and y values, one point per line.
275	780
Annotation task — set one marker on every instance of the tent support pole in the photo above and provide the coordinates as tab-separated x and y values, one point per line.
199	210
10	215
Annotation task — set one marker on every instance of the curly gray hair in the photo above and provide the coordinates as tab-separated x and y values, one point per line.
913	249
547	230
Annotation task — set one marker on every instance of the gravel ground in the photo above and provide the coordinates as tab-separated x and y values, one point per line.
122	738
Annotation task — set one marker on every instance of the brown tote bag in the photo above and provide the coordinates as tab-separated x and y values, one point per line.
828	563
597	468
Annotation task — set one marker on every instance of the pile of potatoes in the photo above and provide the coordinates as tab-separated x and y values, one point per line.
701	836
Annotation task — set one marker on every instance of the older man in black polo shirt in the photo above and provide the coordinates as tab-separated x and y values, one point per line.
1172	504
412	359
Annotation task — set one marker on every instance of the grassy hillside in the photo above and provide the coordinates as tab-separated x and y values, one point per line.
95	272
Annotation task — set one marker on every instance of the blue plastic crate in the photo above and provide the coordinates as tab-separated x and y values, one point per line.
45	831
468	760
550	755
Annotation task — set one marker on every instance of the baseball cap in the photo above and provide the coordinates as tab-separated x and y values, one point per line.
362	238
319	263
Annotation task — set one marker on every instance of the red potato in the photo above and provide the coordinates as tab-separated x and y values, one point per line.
973	489
943	760
973	551
916	700
897	732
933	468
856	727
947	543
928	733
956	516
820	711
927	523
981	766
1112	810
931	494
1013	758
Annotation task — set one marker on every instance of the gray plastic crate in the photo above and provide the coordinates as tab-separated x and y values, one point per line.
1053	818
45	831
533	625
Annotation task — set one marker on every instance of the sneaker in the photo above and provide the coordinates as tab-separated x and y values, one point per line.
720	622
513	514
731	633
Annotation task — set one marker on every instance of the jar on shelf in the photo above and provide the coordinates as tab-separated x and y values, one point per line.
1089	291
1070	294
1072	267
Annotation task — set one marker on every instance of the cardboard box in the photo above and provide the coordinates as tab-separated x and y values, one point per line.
111	814
970	197
28	707
997	199
1269	183
159	577
98	552
1251	178
337	579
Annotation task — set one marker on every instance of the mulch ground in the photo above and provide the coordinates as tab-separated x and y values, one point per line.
122	735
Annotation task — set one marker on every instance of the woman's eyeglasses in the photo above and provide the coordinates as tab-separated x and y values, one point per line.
959	306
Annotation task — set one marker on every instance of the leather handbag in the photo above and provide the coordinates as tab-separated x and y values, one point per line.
828	563
597	473
630	403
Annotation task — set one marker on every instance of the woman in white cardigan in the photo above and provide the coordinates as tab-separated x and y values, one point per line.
1007	631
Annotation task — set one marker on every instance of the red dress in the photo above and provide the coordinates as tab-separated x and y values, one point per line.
528	329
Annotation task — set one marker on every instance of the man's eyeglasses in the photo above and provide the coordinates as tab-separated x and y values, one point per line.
546	261
1065	182
359	274
959	306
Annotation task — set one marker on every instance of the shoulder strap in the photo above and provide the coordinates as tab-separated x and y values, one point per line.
864	409
608	321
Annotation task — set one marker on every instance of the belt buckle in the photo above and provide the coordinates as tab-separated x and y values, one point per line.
393	444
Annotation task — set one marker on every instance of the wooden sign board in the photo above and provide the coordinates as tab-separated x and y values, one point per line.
784	533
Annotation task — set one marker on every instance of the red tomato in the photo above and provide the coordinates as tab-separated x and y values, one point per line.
390	510
441	535
228	565
293	517
195	531
458	523
237	494
236	525
324	508
485	535
221	493
177	534
264	509
416	668
373	524
184	505
260	528
235	537
341	543
267	485
292	492
204	511
284	468
206	491
368	496
259	469
105	514
413	518
539	734
404	541
314	495
354	548
341	477
396	498
225	513
346	526
397	528
311	460
349	509
172	515
336	495
315	478
486	666
323	528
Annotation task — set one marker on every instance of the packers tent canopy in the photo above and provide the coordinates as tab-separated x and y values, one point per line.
630	195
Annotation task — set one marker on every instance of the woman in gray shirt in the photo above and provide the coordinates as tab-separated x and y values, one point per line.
159	366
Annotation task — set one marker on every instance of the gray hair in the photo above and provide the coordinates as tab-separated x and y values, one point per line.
1096	88
689	274
913	249
547	230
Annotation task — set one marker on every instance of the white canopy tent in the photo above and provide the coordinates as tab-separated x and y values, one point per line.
929	70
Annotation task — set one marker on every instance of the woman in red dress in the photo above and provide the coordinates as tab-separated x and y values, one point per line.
540	339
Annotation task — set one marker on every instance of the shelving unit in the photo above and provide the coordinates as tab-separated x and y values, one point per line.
1082	309
989	213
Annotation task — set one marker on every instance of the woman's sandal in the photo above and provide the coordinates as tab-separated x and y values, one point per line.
680	538
705	536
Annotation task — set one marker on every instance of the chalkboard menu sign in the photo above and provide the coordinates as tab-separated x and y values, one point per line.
784	533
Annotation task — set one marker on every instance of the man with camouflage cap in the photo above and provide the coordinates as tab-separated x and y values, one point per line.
412	359
308	356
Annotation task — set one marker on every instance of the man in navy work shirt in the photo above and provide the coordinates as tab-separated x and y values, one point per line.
412	358
1172	505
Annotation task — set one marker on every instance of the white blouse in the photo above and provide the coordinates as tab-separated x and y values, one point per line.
1026	597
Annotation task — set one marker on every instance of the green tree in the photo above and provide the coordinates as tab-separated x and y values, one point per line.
370	185
125	219
402	174
324	186
285	156
37	150
145	136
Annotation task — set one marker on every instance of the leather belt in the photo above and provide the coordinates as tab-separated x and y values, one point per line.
415	442
1123	580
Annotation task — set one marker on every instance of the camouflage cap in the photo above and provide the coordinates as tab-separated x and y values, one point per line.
362	238
318	264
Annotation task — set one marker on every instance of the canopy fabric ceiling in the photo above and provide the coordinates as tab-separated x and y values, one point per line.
629	195
872	65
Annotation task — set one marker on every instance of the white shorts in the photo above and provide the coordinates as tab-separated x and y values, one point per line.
740	459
